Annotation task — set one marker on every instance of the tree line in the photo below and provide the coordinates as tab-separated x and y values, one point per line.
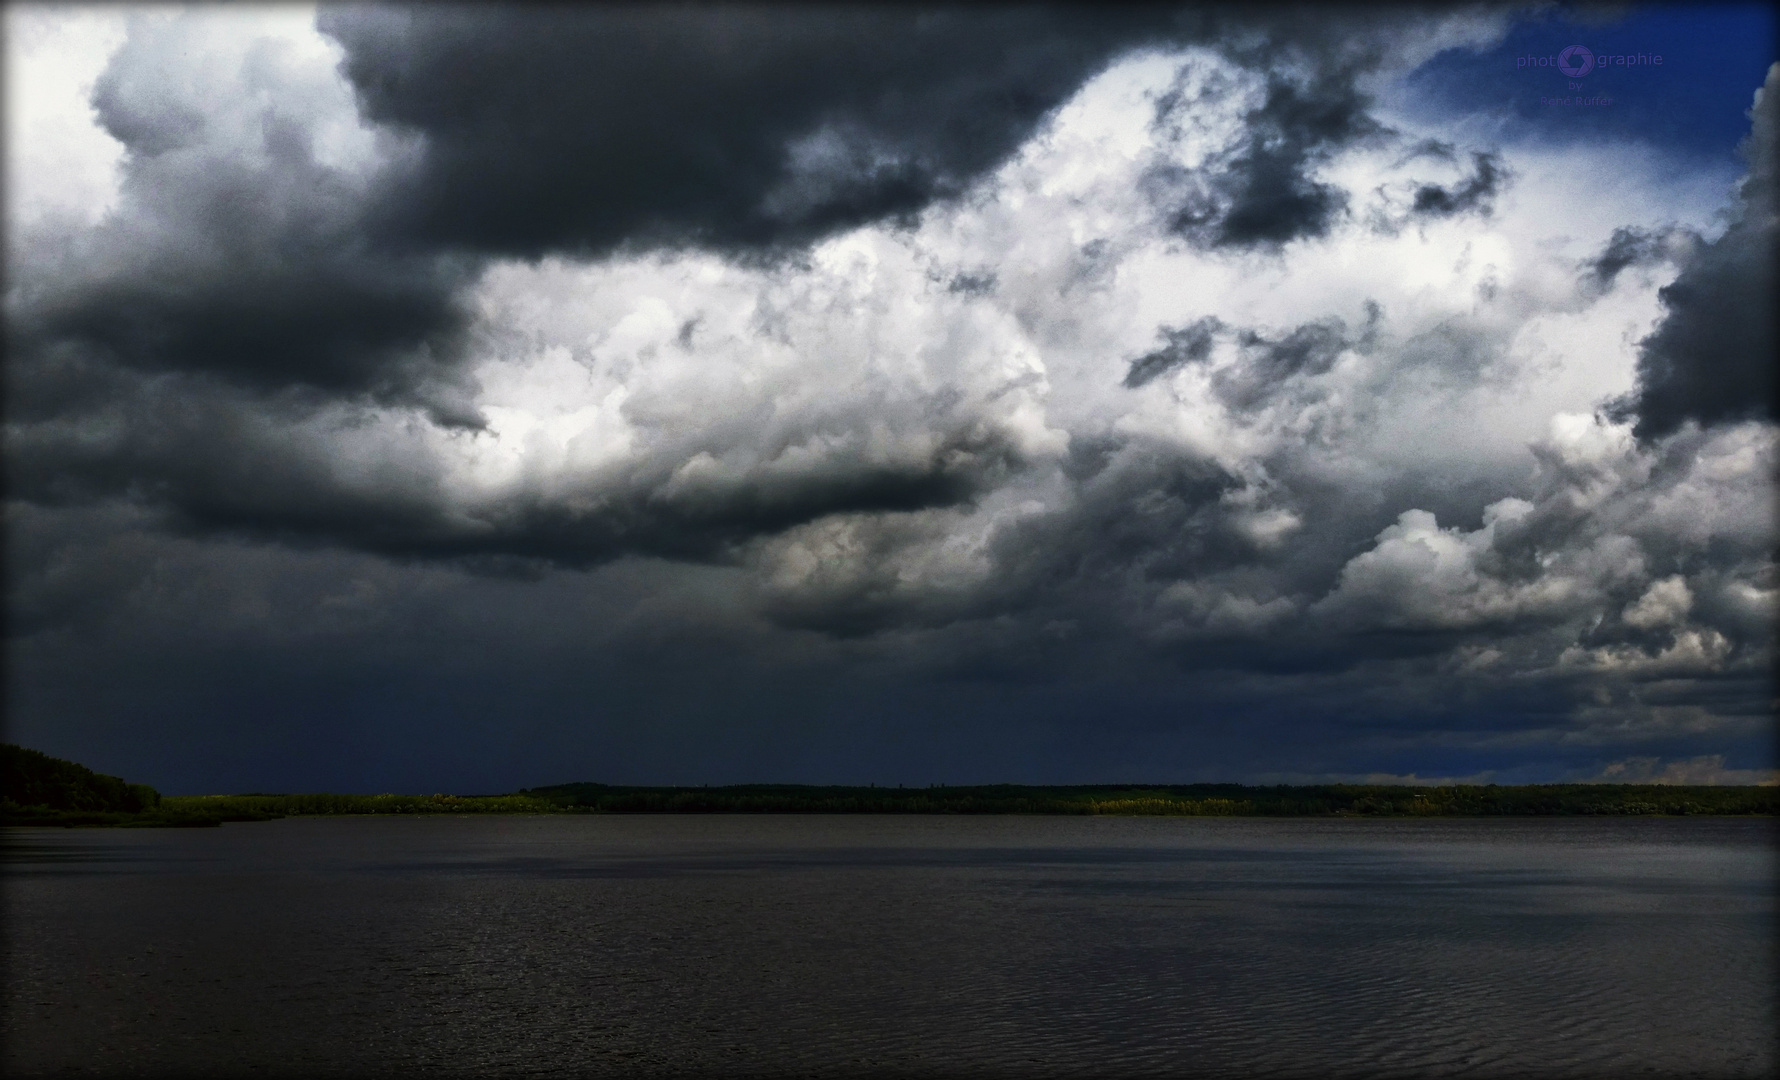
36	789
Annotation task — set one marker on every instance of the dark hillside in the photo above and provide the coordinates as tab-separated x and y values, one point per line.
34	781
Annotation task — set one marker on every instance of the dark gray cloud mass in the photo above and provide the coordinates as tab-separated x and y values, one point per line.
741	127
219	463
719	393
240	256
1633	247
235	254
247	284
1271	197
563	129
1264	192
1473	193
267	284
1182	346
1713	358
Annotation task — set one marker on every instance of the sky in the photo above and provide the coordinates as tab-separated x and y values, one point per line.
463	399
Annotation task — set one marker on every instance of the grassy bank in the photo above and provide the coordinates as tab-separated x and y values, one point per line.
188	811
265	807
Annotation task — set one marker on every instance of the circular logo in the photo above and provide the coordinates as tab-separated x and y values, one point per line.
1576	61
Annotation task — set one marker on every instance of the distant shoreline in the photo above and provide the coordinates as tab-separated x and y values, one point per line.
1133	800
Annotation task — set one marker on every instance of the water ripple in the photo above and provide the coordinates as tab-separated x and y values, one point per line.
898	947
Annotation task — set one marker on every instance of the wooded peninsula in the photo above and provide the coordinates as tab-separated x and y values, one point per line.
36	789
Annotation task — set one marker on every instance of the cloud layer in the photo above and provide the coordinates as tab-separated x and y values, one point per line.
1712	359
936	351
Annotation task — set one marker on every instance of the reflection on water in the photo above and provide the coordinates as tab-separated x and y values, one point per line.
805	945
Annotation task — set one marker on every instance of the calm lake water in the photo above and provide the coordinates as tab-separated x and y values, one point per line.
944	946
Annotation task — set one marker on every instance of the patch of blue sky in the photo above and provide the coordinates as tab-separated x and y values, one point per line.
1693	104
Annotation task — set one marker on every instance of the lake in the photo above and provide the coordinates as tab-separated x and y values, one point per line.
899	946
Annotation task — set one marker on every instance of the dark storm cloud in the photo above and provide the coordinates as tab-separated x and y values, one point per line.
1268	362
581	129
1150	513
222	462
234	252
1438	149
1475	192
1142	515
1630	246
1273	200
1265	360
247	284
204	349
1186	345
1264	193
239	254
895	475
217	459
1712	359
245	667
186	352
246	258
742	128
